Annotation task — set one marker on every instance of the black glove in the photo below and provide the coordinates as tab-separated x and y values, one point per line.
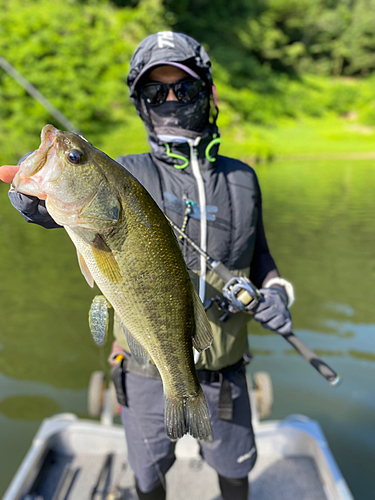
32	209
273	311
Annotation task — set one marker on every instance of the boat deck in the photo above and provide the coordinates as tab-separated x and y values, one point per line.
74	459
284	479
75	477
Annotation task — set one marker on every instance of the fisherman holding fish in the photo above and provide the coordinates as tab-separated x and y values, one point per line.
216	201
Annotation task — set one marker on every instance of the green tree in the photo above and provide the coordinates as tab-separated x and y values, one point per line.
76	54
254	39
360	38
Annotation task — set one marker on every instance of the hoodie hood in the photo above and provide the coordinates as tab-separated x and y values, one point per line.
186	53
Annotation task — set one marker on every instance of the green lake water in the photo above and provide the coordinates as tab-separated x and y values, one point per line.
320	224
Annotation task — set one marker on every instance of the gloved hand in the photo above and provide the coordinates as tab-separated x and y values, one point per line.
32	209
272	311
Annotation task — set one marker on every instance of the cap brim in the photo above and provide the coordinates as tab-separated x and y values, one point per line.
187	70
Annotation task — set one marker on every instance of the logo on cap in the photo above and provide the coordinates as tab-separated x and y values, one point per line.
165	39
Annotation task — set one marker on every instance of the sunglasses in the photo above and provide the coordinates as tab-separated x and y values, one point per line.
186	90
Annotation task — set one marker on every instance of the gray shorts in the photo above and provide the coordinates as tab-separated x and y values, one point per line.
151	453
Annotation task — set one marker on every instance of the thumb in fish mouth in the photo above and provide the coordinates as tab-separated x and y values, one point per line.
7	173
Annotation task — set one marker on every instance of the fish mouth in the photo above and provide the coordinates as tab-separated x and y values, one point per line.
34	163
48	137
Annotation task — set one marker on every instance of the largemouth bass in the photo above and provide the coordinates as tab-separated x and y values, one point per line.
126	245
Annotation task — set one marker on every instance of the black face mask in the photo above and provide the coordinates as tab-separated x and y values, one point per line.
175	117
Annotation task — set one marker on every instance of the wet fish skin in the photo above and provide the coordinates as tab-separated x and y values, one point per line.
126	246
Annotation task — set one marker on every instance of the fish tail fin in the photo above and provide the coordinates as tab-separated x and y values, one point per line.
188	416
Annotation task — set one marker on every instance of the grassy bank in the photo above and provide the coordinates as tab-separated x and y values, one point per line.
327	137
312	116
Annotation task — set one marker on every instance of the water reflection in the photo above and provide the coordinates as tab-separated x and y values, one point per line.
344	309
362	355
319	352
28	407
320	225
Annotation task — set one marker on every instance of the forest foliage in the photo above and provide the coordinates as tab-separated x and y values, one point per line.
254	39
272	60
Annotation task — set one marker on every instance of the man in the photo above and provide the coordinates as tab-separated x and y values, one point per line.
217	202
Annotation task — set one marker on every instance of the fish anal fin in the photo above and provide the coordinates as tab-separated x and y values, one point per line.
202	338
85	270
106	260
139	353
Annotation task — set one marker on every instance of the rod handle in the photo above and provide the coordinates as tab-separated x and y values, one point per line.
221	270
315	361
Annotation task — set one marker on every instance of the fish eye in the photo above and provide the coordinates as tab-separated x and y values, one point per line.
76	156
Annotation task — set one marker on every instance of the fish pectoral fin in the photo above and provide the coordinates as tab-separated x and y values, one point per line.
85	270
139	353
106	260
202	338
99	319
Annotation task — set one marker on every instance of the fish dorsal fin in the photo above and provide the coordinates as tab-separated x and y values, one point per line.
139	353
105	260
202	338
85	270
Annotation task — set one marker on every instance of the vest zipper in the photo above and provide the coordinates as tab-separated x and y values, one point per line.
203	220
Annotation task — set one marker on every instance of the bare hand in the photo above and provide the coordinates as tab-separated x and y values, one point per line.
7	173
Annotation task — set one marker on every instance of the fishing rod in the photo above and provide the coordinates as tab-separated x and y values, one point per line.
240	294
38	96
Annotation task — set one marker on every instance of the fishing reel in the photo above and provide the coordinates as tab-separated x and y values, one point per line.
239	294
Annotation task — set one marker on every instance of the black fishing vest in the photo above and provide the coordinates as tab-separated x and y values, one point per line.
232	204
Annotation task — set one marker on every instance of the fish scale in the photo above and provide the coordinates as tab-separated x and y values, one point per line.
125	244
145	320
